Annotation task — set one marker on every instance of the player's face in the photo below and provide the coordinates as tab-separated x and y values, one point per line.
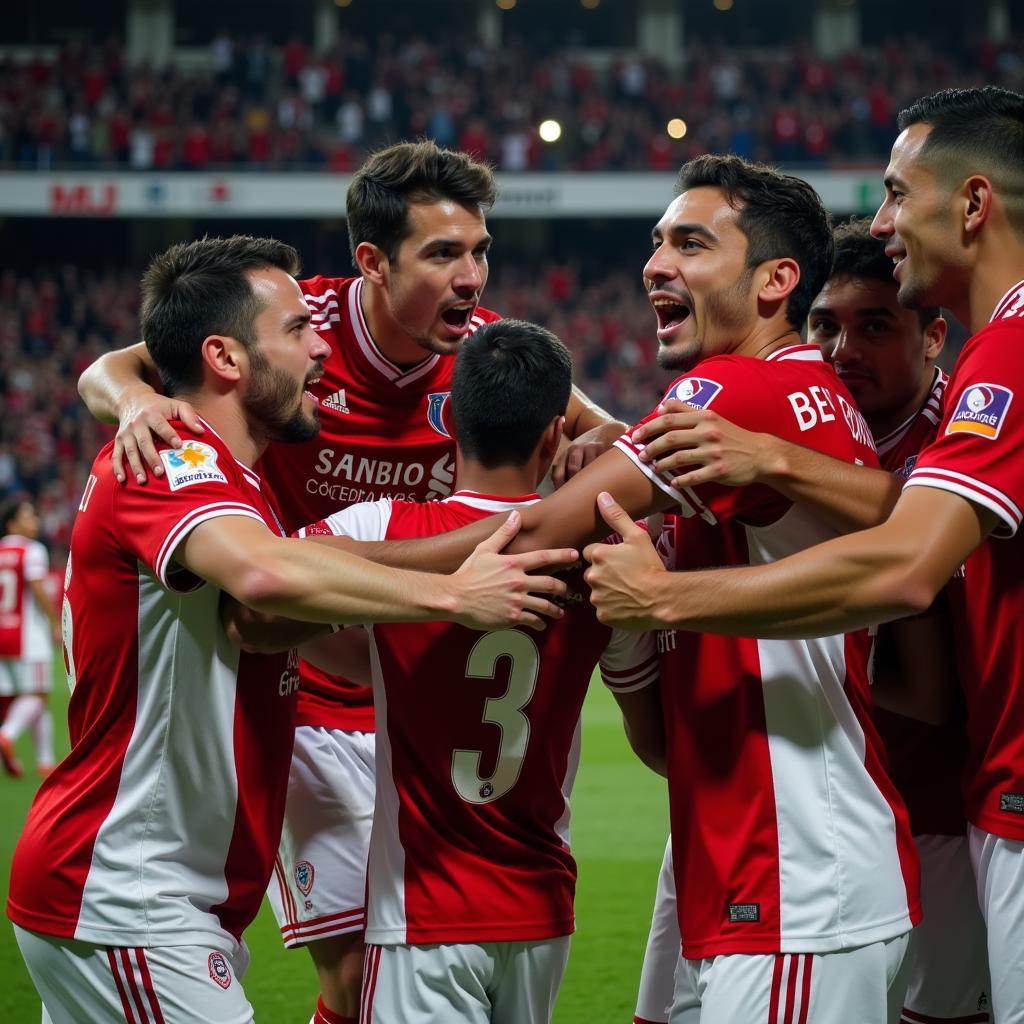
285	361
435	282
917	223
878	347
698	281
25	521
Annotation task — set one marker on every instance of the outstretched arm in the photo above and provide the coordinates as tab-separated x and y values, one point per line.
699	446
122	387
864	578
591	432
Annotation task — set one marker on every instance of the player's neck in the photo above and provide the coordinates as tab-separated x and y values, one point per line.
987	287
502	482
387	335
883	423
766	337
224	413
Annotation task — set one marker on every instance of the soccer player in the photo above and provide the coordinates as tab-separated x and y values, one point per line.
470	880
148	849
774	768
953	224
886	355
416	221
29	627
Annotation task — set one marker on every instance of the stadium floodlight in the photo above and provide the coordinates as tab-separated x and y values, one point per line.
506	5
342	3
676	128
550	131
590	4
723	5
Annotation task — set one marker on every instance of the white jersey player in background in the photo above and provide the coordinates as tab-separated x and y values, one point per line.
29	631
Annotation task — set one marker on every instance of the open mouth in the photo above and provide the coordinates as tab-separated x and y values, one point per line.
456	318
671	313
310	383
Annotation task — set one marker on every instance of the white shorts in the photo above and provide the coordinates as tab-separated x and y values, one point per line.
999	869
319	884
113	984
18	677
489	983
948	955
865	985
663	954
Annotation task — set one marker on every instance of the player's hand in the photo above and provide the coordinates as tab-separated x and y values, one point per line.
144	415
493	590
623	577
581	452
701	447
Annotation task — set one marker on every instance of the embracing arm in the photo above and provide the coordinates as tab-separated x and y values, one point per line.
699	446
590	432
861	579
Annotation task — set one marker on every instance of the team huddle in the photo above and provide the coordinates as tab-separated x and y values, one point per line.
328	643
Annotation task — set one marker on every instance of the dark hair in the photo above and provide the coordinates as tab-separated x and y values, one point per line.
780	215
975	131
9	509
195	289
860	255
511	378
378	199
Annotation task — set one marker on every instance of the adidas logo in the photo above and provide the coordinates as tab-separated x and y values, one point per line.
336	401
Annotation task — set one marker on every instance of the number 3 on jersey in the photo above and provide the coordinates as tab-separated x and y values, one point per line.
506	712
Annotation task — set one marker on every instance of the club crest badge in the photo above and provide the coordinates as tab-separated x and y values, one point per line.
219	970
696	391
304	876
439	412
193	463
981	410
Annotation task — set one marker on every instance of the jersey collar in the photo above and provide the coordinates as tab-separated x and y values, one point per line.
493	502
802	353
1011	304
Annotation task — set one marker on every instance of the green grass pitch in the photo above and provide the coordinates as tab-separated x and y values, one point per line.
619	827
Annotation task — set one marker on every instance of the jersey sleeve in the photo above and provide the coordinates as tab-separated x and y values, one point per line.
367	521
200	483
977	451
731	389
629	661
37	562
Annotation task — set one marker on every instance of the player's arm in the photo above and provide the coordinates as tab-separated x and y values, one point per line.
569	513
38	591
915	666
591	432
698	446
278	576
864	578
122	387
644	723
345	654
260	633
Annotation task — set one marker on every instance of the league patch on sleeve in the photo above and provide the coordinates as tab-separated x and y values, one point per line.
192	463
981	410
696	391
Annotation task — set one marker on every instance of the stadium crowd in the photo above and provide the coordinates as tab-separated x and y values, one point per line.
53	324
260	106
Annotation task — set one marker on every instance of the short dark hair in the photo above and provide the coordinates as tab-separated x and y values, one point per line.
9	509
511	378
195	289
377	205
860	255
780	215
975	131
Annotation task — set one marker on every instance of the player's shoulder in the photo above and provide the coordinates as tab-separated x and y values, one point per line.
410	519
321	287
722	380
483	316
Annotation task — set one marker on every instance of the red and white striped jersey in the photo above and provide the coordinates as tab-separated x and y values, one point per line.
384	433
24	628
477	747
160	827
787	835
925	761
977	456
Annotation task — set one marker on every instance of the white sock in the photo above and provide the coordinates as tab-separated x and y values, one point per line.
22	713
42	738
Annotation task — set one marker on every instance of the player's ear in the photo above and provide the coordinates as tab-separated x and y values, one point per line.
935	338
976	200
547	446
778	279
372	262
223	357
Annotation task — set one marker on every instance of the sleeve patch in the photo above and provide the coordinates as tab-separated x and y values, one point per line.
193	463
981	410
696	391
